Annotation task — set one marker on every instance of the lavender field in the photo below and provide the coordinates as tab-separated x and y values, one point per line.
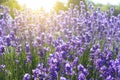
81	43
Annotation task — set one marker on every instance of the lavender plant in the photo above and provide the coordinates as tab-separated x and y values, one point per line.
77	44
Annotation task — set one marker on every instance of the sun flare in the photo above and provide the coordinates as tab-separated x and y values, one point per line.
47	5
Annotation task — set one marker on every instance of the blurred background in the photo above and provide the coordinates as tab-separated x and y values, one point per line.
58	5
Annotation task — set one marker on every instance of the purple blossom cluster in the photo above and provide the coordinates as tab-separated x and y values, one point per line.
76	44
105	62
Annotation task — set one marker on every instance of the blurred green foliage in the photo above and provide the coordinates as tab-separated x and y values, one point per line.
108	6
60	6
117	10
2	1
12	4
75	2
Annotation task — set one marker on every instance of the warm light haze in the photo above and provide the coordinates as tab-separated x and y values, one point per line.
36	4
112	2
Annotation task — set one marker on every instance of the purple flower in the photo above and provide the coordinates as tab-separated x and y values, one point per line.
40	66
17	61
2	49
53	75
8	40
19	49
75	62
2	66
27	47
63	78
68	69
80	67
36	73
42	52
81	3
109	78
26	76
81	76
0	32
29	57
112	10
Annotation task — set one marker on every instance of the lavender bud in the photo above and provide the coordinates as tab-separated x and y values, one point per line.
26	76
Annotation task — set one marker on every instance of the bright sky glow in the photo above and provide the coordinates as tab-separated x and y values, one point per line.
112	2
35	4
48	4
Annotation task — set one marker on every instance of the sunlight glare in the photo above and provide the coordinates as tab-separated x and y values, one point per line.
47	5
